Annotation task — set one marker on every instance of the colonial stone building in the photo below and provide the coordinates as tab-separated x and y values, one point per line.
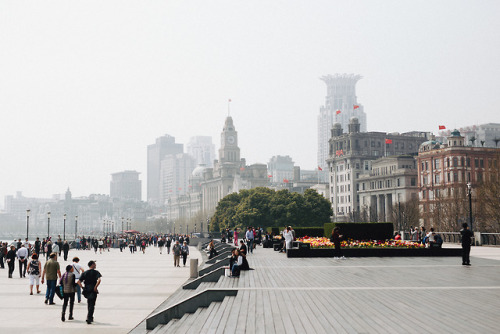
230	173
444	170
352	154
390	182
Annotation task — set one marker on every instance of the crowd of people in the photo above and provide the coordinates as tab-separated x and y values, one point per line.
75	279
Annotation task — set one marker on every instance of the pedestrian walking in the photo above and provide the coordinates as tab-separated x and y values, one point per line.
52	271
67	281
22	256
466	244
168	244
92	279
235	238
336	236
161	243
34	270
250	238
184	252
55	248
65	248
3	253
176	249
78	270
11	258
37	246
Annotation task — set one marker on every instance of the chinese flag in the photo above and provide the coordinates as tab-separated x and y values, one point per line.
285	180
242	168
319	168
388	141
337	112
442	127
180	188
356	106
269	176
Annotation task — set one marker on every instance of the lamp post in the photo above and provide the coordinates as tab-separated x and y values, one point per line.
27	223
76	226
469	192
48	225
174	228
122	225
64	227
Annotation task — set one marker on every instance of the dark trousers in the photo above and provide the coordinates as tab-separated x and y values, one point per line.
1	261
250	245
66	255
11	268
22	264
71	298
465	254
338	250
91	306
184	258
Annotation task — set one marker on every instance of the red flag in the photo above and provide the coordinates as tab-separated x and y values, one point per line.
229	100
337	112
319	168
285	180
180	188
356	106
388	141
442	127
242	168
269	176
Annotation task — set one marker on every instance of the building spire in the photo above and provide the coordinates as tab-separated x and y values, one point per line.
228	107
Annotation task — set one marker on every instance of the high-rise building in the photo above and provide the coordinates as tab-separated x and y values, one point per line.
126	185
175	172
280	168
341	104
202	150
156	152
483	135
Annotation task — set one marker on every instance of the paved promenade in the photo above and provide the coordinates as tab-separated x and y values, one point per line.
356	295
132	286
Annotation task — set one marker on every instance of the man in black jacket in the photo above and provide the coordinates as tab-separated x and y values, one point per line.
466	244
11	259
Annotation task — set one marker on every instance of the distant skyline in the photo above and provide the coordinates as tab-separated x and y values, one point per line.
86	86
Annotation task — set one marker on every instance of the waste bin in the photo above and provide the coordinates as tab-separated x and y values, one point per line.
193	268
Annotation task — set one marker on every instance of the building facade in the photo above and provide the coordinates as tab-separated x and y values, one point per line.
390	182
230	173
126	185
444	170
156	153
175	172
352	154
341	104
280	168
202	150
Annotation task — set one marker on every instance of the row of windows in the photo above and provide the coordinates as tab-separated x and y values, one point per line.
452	177
385	184
458	162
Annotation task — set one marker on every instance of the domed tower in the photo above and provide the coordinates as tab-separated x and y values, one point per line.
455	139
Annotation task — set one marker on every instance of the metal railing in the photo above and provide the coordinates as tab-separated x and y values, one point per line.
491	239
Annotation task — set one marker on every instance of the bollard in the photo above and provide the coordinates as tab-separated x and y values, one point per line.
193	268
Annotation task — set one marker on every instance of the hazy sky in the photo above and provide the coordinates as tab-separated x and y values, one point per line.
85	86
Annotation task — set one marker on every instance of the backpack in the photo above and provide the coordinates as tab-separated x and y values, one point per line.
34	269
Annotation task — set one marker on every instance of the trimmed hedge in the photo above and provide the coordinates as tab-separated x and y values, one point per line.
362	231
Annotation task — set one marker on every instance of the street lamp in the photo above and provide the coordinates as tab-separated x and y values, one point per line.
122	225
469	192
64	227
76	226
48	225
27	223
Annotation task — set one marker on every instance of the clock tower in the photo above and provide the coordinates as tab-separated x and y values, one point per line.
229	150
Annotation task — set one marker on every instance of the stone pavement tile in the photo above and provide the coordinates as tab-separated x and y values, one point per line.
132	286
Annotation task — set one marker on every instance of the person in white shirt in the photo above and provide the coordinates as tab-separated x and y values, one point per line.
22	256
288	236
430	237
78	270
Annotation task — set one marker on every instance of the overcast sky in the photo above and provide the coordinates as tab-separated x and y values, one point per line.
85	86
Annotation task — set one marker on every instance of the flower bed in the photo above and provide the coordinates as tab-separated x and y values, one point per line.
319	243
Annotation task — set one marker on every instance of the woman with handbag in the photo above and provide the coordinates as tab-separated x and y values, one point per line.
68	283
